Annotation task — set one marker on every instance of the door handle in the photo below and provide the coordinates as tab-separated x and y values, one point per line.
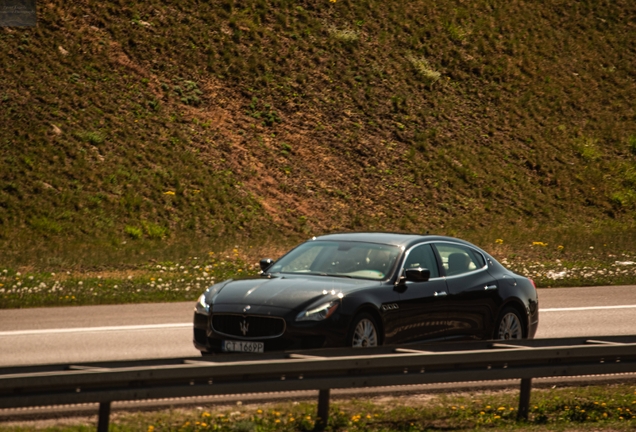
490	287
441	294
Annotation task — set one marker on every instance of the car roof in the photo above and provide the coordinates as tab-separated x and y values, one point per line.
396	239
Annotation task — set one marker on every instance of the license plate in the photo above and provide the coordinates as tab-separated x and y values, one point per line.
242	346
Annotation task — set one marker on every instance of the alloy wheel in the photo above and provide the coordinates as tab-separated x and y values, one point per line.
365	334
510	327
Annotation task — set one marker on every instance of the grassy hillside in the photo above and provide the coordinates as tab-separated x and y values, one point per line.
175	125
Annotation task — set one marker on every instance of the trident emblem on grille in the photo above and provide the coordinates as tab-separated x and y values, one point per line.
244	327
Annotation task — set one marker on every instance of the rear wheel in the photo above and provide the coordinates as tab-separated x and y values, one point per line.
364	333
509	325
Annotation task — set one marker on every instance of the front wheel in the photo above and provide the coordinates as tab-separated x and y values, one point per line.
509	325
364	332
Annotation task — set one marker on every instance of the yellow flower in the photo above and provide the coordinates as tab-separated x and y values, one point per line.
205	414
482	413
539	244
204	425
333	1
259	411
497	417
277	421
152	279
499	241
291	419
151	428
501	409
560	247
605	415
169	193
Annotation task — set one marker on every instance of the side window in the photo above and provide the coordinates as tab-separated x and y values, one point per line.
458	259
422	256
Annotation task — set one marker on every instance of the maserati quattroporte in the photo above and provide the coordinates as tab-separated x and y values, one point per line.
367	289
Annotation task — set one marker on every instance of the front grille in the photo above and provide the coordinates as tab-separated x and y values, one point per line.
248	327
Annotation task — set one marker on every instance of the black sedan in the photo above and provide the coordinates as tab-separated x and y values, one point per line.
367	289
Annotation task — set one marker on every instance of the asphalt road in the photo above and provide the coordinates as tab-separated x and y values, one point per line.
129	332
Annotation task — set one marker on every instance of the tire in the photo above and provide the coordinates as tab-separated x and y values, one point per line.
509	325
364	332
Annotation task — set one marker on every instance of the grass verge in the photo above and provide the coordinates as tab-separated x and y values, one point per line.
568	409
160	279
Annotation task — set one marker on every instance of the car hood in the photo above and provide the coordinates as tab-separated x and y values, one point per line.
286	292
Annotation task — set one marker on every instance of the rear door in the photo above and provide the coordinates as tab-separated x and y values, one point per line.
472	292
423	305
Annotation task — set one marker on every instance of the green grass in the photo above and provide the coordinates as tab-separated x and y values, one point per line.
163	129
146	273
565	409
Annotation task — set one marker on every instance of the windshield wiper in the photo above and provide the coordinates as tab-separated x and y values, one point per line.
336	275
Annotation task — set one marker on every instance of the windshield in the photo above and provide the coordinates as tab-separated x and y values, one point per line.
339	258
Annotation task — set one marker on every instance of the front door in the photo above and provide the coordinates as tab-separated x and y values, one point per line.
422	305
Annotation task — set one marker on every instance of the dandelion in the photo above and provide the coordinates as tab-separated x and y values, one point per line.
560	247
497	417
169	193
499	241
503	409
151	428
277	421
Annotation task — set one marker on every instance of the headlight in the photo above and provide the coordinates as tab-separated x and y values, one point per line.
320	313
202	304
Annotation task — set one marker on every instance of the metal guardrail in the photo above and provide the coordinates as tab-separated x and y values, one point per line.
320	370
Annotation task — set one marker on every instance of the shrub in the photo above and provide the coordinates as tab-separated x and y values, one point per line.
133	232
424	69
154	231
343	35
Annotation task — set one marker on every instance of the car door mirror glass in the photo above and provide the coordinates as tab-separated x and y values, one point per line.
265	263
417	274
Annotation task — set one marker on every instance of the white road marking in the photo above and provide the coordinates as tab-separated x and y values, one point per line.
186	325
95	329
587	308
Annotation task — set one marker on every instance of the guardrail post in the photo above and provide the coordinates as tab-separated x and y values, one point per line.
323	410
104	417
524	398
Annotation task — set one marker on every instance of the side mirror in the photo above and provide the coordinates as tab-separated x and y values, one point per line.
265	263
417	274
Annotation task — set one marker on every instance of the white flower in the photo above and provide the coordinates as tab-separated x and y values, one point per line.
80	283
30	277
18	274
